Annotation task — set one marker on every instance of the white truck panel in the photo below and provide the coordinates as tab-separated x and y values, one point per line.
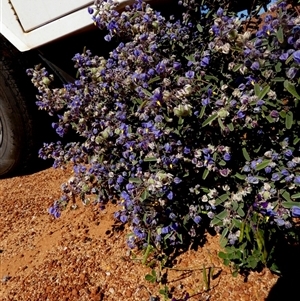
11	29
35	13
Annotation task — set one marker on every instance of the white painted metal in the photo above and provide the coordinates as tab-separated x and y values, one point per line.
11	29
35	13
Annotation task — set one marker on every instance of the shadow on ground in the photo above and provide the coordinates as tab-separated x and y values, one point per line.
288	262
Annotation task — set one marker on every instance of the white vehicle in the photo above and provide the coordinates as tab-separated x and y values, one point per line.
56	30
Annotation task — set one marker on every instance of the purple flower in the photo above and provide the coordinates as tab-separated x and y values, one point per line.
205	61
297	180
190	74
107	38
165	230
160	68
275	177
176	65
268	169
255	66
170	195
177	180
296	211
240	114
252	180
90	10
227	157
284	56
186	150
291	72
197	219
274	114
296	56
224	172
123	218
288	153
220	12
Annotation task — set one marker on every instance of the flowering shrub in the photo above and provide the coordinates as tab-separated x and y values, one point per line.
188	124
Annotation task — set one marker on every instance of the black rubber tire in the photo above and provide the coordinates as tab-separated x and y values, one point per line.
16	135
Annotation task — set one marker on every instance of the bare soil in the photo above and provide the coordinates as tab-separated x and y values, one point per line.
82	256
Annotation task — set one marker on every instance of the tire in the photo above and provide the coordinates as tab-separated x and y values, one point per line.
16	135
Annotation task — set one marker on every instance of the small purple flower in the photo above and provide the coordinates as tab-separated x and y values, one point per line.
296	211
90	10
275	177
288	153
296	56
268	169
176	65
224	172
186	150
220	12
274	114
255	66
168	147
280	222
297	180
190	74
165	230
177	180
240	114
197	219
291	72
252	180
227	157
170	195
284	56
205	61
123	218
107	38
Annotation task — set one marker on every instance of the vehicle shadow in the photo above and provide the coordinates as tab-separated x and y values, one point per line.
287	258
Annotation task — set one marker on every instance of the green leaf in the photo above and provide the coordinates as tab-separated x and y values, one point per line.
290	204
241	212
221	199
286	196
150	159
230	126
202	112
270	119
205	173
262	165
150	278
296	140
216	222
279	35
155	79
135	180
263	92
282	114
223	255
245	154
296	196
200	28
211	77
149	94
278	79
222	163
239	176
257	90
289	119
144	195
221	124
278	67
237	67
291	88
242	228
222	215
210	119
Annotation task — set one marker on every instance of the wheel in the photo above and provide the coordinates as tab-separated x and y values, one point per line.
15	124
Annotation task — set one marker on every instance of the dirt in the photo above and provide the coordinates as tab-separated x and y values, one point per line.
83	255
